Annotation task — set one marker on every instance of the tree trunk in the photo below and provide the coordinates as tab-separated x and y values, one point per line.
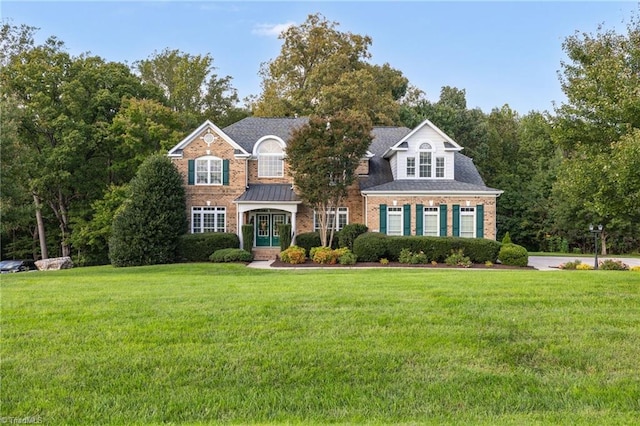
44	253
603	243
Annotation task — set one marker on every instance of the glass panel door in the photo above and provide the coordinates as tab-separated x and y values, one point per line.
263	230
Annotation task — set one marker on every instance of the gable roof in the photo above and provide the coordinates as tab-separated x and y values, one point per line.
450	144
176	151
467	180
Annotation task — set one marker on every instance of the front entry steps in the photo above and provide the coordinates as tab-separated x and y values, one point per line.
265	253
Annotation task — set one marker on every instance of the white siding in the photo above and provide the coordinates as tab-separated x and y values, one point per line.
426	134
393	162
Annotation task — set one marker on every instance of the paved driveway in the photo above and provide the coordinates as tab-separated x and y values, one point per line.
551	263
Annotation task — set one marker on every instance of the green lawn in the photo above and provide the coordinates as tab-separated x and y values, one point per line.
208	343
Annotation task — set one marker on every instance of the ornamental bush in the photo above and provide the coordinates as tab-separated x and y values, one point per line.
349	233
457	258
513	255
370	246
613	265
231	255
294	255
347	258
199	247
308	240
324	255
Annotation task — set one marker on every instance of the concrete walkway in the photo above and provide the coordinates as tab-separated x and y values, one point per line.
541	263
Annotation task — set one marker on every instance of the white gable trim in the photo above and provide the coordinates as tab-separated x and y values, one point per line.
176	151
397	147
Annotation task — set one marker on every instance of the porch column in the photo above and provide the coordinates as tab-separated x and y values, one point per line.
293	226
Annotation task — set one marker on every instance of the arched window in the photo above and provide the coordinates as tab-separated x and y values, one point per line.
270	159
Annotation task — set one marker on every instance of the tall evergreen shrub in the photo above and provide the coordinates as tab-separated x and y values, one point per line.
147	228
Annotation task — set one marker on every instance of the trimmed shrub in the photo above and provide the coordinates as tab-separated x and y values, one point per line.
247	237
199	247
308	240
231	255
513	255
635	268
349	233
613	265
370	246
479	250
294	255
284	230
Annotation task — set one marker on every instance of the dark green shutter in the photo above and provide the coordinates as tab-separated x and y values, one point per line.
479	221
407	219
419	219
225	172
191	178
383	218
456	220
443	220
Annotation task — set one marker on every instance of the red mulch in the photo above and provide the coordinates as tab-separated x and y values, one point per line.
280	264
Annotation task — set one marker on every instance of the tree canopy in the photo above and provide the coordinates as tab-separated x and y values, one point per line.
321	70
323	157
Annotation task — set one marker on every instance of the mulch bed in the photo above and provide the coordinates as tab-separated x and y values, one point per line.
310	264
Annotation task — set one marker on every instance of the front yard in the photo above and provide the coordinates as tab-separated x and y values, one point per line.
208	343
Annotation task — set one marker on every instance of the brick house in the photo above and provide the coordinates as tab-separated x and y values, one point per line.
411	182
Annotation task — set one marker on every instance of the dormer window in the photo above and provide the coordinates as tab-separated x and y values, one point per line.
270	159
424	167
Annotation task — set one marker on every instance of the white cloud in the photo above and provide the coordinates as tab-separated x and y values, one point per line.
270	30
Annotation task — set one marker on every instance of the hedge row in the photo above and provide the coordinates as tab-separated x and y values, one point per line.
198	247
373	246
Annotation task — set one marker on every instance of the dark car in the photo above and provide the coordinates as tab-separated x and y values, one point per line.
8	266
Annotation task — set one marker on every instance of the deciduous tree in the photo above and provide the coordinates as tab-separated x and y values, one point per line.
321	70
323	157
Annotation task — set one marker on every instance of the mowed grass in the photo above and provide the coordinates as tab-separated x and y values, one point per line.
206	343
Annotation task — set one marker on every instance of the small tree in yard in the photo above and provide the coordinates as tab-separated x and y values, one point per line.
323	157
146	230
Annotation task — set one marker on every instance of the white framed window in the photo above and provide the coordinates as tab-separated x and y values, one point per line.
343	219
468	222
394	221
411	166
439	167
208	219
425	164
270	159
431	222
209	171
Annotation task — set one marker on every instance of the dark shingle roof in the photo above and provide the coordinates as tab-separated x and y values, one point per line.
248	131
269	192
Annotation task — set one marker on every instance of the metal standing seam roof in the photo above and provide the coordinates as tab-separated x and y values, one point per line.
276	192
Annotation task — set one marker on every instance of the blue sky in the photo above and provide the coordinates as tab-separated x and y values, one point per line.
499	52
